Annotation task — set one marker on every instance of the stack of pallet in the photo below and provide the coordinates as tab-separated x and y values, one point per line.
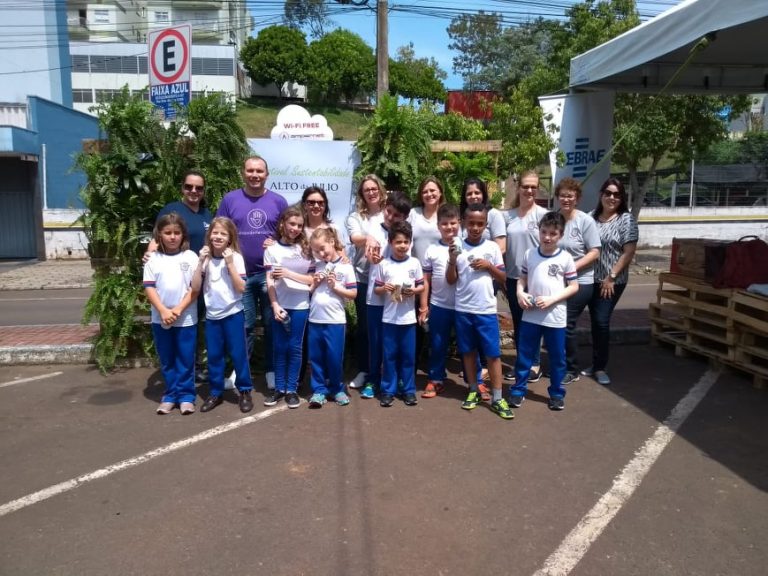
728	326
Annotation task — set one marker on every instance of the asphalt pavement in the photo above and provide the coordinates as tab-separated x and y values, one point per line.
662	473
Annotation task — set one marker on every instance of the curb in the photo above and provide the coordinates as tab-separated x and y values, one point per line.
83	353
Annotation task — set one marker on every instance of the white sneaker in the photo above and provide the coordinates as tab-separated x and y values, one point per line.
270	376
229	381
359	380
186	408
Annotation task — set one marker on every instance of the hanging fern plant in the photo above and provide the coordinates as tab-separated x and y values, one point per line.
133	171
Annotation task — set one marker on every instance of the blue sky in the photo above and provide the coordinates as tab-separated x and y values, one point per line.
424	22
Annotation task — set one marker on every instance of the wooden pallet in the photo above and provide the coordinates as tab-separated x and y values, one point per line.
729	327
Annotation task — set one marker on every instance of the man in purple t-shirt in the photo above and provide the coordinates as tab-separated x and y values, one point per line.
255	211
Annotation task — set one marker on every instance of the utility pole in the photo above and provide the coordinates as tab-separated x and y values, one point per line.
382	44
382	50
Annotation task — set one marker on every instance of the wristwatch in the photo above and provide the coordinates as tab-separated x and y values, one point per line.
611	275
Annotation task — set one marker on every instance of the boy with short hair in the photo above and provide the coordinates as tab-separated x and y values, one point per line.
396	209
473	270
550	274
399	279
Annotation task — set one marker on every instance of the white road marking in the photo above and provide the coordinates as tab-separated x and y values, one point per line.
573	548
68	485
31	379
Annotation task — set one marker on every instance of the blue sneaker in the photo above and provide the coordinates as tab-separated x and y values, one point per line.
341	399
317	400
367	391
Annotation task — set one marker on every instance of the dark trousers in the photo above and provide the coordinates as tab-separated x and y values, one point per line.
576	305
600	310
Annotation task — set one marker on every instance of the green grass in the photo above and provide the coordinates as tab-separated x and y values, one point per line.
258	116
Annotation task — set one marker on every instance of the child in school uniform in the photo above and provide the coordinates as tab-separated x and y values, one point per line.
551	277
221	276
167	283
399	279
332	285
289	277
477	327
396	209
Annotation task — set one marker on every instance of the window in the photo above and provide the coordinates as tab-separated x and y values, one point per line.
80	63
106	95
101	16
162	16
82	96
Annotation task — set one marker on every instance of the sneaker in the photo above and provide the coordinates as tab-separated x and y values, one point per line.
556	404
341	399
367	391
516	401
165	408
485	392
274	398
473	399
509	376
270	377
246	402
292	400
186	408
410	399
317	400
386	400
570	378
501	408
358	381
432	389
602	377
534	375
588	372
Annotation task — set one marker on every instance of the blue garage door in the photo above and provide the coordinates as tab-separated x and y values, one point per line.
17	215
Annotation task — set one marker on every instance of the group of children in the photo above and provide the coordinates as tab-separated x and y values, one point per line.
309	280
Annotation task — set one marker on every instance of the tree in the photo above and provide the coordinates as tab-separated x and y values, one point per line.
416	78
310	13
340	65
277	55
476	38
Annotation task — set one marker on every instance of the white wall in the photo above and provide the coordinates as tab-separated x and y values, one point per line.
658	226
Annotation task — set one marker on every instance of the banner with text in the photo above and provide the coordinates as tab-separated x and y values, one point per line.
586	130
297	164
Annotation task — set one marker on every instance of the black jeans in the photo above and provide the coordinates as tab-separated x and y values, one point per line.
600	310
576	305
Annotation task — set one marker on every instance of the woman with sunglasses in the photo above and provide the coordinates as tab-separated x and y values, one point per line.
192	209
618	238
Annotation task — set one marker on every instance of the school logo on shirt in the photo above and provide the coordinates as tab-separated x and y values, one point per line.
412	274
575	234
553	270
532	226
257	218
184	266
488	256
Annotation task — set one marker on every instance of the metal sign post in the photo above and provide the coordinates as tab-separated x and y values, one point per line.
170	68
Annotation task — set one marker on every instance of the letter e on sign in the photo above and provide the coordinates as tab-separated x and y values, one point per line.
169	55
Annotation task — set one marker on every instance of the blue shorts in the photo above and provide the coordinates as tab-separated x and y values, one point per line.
478	332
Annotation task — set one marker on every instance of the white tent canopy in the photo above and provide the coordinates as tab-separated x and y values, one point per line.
734	60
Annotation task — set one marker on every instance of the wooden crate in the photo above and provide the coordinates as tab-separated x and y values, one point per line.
729	327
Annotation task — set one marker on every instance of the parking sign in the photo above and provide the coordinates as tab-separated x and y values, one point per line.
170	66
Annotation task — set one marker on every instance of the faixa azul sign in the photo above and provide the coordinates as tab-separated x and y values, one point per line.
170	68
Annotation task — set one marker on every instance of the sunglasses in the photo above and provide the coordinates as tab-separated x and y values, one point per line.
611	194
191	187
314	202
